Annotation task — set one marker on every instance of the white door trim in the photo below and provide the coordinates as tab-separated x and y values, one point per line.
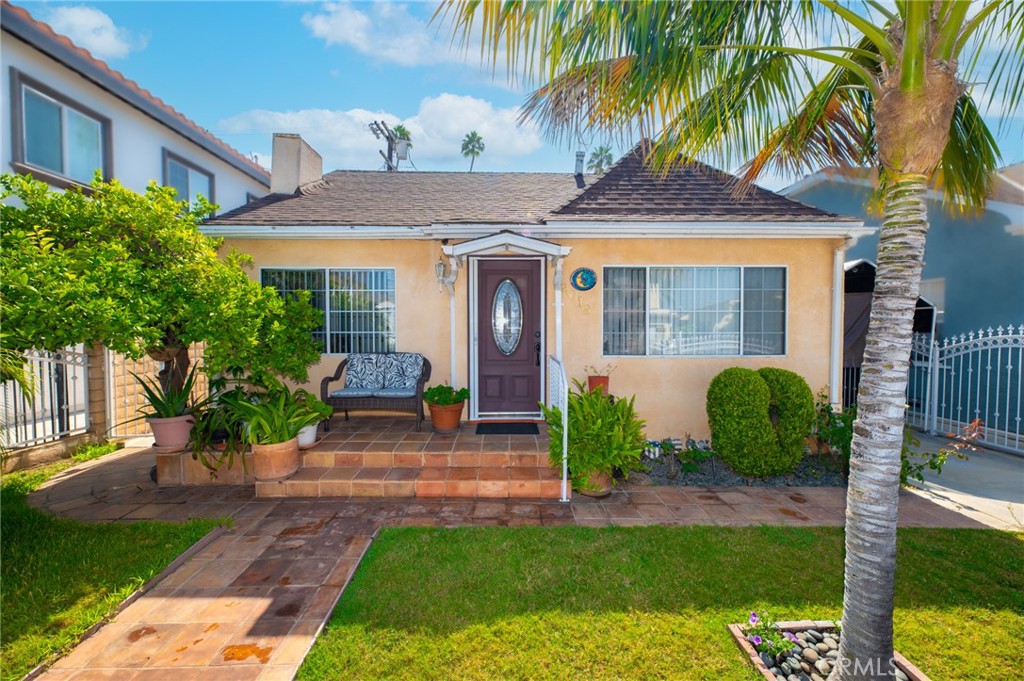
474	338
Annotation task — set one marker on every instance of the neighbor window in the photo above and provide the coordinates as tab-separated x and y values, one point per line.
56	135
190	180
694	311
358	305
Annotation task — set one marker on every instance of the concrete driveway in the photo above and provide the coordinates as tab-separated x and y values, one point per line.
988	486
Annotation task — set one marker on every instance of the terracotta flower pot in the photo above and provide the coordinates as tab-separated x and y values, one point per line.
171	434
273	462
598	383
599	485
445	418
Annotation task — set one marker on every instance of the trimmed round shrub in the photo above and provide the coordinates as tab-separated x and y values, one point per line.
760	419
741	433
791	413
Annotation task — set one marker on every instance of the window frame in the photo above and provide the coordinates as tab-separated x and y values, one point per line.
647	311
19	82
327	296
167	156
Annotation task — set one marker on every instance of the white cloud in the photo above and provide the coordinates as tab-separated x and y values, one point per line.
95	31
385	31
344	140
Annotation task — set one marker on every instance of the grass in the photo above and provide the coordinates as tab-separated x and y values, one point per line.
59	576
652	602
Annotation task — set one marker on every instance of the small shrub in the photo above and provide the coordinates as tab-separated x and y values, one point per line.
605	435
791	411
741	432
835	428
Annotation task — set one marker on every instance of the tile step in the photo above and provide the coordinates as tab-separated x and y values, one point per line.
321	457
434	482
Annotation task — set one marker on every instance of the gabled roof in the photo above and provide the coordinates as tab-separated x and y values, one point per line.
694	192
17	22
627	193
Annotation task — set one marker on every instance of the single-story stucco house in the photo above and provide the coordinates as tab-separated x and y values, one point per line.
669	279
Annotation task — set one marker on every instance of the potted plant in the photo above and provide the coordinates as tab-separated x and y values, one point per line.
605	437
316	406
217	434
273	422
599	379
445	404
170	414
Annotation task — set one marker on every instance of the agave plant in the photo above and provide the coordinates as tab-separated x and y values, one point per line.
169	402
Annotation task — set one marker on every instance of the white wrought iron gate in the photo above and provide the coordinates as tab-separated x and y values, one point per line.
971	378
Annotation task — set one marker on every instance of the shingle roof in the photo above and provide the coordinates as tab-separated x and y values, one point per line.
369	197
628	192
20	23
693	192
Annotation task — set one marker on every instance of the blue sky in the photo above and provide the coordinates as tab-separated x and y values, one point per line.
245	70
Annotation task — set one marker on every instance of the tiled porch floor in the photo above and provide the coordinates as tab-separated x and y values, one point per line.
249	604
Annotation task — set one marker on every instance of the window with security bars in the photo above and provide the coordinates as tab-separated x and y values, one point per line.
358	305
694	311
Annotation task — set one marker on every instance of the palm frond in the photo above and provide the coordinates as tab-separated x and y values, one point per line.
969	160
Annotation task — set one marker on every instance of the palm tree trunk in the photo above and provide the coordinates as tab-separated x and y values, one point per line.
472	160
872	505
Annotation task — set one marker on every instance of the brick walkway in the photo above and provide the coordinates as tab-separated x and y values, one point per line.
250	603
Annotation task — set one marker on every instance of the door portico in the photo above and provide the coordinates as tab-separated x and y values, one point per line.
506	338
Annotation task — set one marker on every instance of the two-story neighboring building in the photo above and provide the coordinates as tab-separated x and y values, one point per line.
67	114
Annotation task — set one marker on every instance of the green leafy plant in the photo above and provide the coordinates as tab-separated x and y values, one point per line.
605	435
170	401
913	463
444	395
791	411
765	635
834	429
273	416
691	455
216	436
314	404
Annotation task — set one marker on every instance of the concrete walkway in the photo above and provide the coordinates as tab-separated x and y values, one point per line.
249	604
987	487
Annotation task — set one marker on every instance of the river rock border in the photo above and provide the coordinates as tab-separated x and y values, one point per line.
737	630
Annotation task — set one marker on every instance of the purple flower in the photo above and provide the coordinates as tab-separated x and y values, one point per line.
756	640
754	619
790	637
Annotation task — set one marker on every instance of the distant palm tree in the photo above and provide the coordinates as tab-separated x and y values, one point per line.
472	146
600	160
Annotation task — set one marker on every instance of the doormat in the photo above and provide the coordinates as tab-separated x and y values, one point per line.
507	429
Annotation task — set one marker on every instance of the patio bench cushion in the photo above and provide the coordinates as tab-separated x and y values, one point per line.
363	372
400	370
395	392
353	392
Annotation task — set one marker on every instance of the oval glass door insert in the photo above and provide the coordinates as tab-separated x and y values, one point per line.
507	317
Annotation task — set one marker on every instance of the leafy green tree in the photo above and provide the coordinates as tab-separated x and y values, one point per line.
795	86
600	160
472	146
133	272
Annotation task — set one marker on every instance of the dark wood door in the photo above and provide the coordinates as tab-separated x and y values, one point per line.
509	335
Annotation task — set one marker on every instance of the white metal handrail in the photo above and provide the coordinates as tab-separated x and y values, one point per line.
558	396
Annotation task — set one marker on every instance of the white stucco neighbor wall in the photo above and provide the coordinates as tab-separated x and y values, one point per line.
138	140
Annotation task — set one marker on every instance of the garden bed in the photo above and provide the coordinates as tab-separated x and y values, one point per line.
815	649
813	471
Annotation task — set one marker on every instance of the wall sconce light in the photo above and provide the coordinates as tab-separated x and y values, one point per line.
440	271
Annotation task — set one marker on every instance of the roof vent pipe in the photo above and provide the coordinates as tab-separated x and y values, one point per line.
579	162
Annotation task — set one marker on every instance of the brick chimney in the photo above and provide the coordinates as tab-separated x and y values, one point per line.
294	163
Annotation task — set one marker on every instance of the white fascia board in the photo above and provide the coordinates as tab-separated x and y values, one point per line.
574	230
506	241
312	232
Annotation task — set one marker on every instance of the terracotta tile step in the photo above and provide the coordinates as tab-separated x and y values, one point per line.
326	457
492	482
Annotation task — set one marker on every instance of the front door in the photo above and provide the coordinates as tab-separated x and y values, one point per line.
509	347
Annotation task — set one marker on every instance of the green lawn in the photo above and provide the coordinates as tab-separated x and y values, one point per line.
59	577
652	602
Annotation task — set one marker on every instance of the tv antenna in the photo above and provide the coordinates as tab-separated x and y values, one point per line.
398	148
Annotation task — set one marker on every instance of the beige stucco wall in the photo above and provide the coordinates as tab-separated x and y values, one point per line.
669	391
